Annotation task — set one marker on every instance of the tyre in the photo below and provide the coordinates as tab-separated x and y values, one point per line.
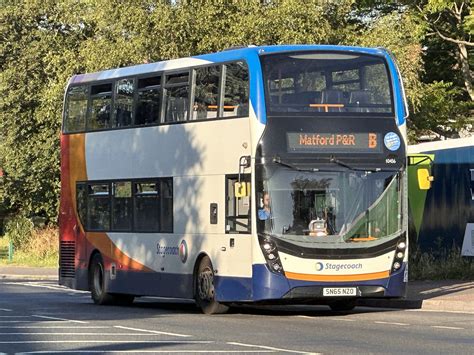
205	295
97	282
343	305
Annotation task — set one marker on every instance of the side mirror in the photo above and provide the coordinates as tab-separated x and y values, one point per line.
241	189
424	179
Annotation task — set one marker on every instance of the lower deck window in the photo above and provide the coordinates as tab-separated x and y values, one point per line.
126	206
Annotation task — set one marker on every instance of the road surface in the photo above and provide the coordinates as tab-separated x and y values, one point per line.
40	317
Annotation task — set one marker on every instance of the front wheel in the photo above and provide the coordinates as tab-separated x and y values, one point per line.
205	292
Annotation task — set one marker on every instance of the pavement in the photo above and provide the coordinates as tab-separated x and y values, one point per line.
443	295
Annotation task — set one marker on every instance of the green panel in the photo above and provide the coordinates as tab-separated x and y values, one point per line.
417	197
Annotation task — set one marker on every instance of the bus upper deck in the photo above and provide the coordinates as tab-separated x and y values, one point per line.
313	79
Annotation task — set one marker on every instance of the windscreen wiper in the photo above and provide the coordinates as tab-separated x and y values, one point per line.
347	166
291	166
341	163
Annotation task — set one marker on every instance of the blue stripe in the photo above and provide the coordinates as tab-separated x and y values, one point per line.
264	285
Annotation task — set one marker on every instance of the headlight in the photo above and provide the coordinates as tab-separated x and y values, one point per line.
270	253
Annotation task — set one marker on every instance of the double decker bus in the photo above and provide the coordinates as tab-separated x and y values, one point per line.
273	174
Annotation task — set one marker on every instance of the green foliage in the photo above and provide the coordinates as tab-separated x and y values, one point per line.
43	43
444	265
19	230
441	110
401	33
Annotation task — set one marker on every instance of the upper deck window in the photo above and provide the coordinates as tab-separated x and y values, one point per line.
124	90
148	101
236	95
206	93
76	109
326	83
100	106
177	97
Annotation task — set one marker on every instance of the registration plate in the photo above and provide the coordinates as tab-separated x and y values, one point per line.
340	291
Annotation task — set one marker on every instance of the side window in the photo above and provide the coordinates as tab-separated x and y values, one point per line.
81	203
177	97
166	210
237	208
124	90
146	205
148	101
76	109
122	206
98	207
206	93
236	94
377	86
101	102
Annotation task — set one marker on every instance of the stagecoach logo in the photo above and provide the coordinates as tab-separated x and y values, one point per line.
392	141
183	251
337	267
165	250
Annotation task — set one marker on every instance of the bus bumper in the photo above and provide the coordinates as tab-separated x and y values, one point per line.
269	286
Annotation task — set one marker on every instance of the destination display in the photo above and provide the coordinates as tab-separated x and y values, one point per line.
301	142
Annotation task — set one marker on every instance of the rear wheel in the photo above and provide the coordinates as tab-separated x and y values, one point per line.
205	292
97	285
97	282
343	305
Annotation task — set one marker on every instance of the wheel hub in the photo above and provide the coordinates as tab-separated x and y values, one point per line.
206	285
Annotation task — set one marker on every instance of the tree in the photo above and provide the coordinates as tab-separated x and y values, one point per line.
453	22
37	55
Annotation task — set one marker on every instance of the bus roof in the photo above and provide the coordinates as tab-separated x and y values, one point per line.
227	55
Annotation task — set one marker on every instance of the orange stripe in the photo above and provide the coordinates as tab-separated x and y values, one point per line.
102	242
77	167
337	278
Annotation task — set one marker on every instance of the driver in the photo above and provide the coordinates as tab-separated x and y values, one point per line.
265	213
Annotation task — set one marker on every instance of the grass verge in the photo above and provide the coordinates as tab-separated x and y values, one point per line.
440	265
40	250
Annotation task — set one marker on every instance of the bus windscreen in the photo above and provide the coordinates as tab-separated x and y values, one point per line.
326	83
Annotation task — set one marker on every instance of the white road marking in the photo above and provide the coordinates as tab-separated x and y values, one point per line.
271	348
390	323
97	334
307	317
6	310
445	327
152	331
144	351
107	341
48	286
314	318
436	311
51	327
59	319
